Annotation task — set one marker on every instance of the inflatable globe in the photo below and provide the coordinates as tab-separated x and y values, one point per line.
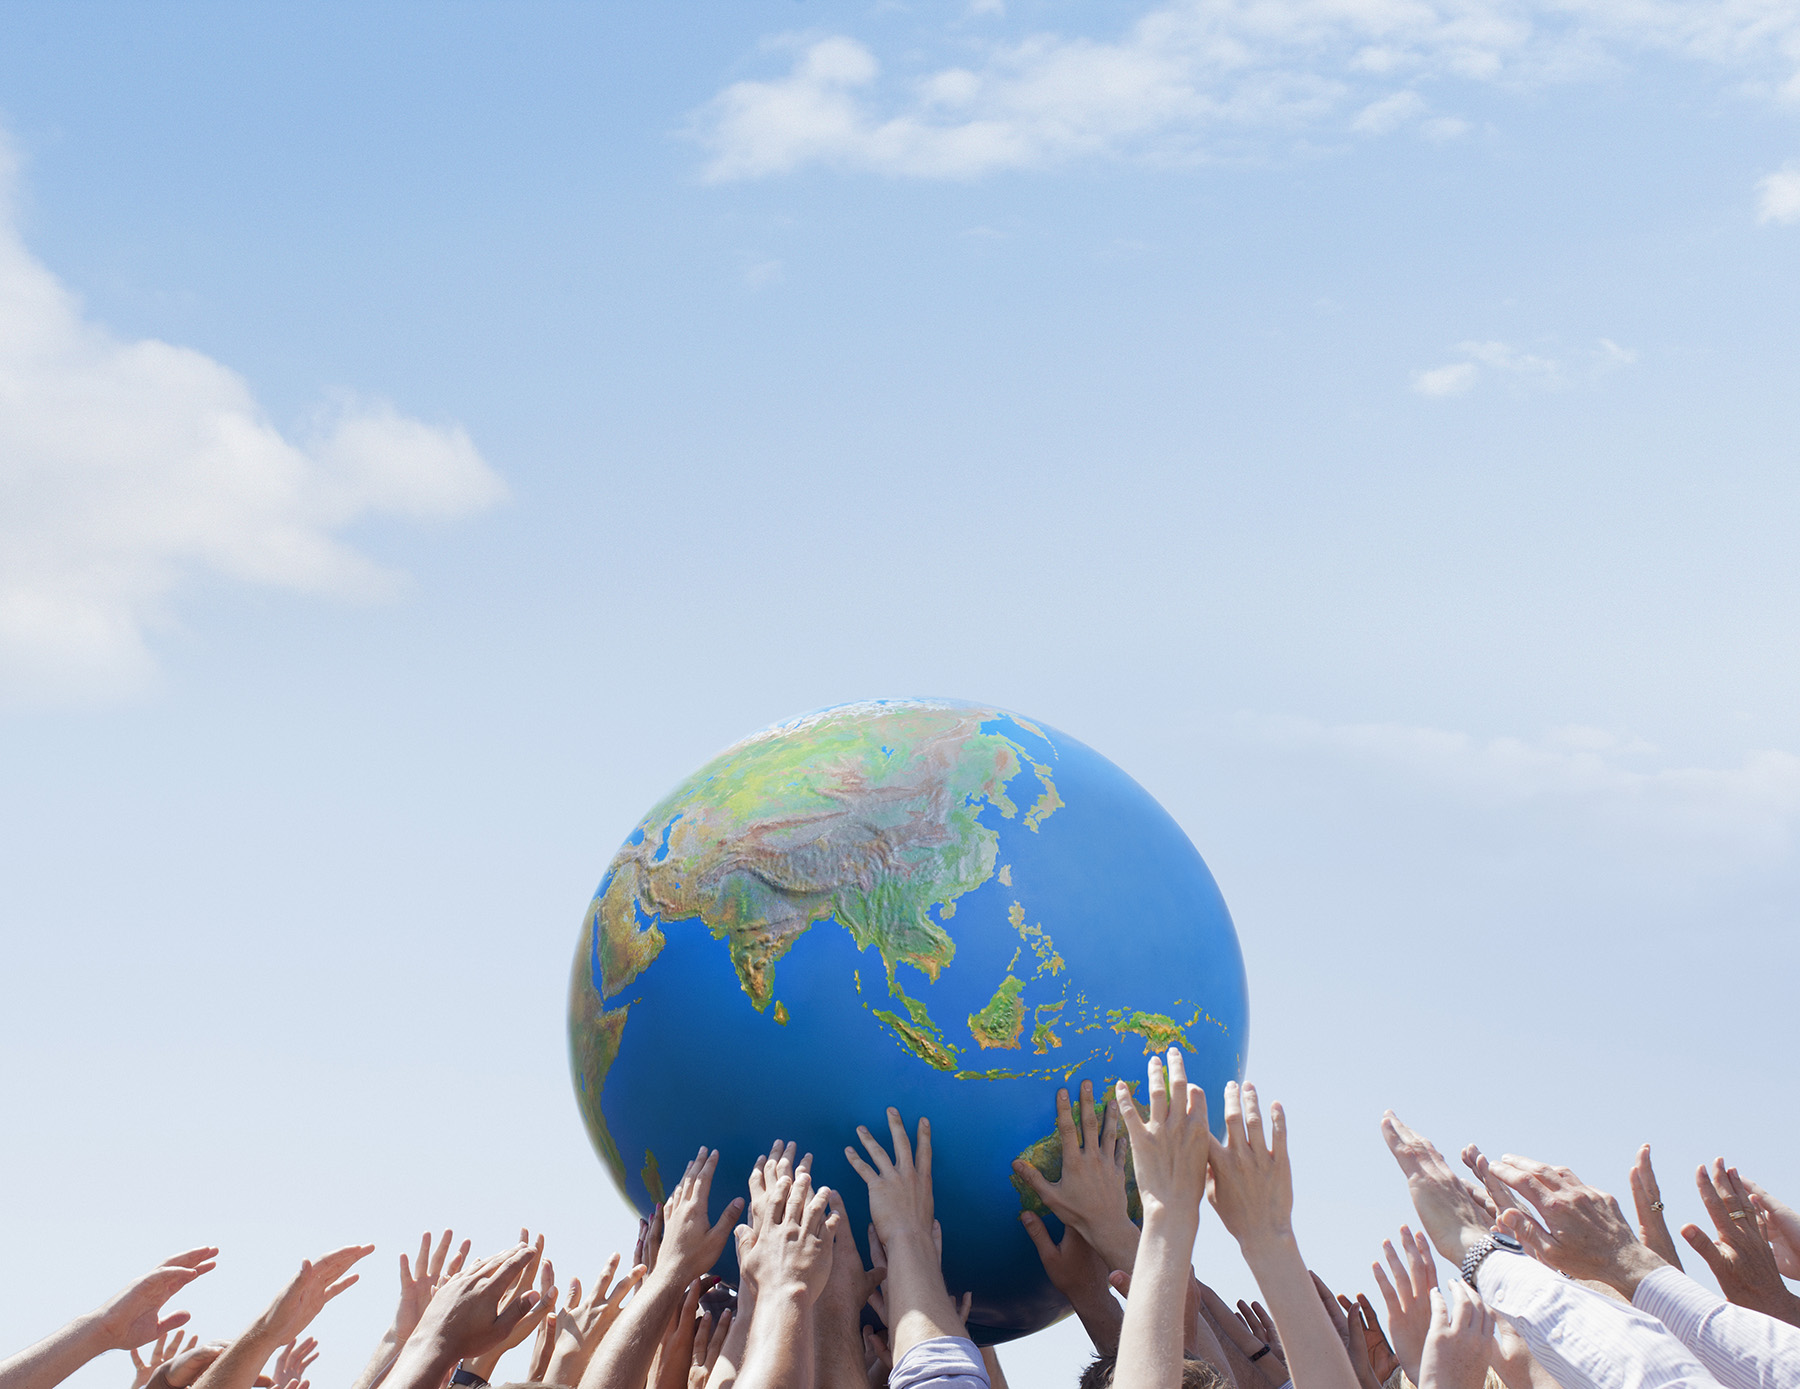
939	906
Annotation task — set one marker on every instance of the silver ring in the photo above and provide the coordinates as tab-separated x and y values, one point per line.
1656	1205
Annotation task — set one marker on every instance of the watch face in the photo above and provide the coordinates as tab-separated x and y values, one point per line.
1507	1242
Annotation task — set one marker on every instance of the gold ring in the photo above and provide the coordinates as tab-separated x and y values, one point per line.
1656	1205
1740	1215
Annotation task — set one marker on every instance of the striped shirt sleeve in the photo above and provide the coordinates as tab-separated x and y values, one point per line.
1742	1348
943	1362
1584	1340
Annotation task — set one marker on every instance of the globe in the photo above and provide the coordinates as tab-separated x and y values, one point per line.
924	903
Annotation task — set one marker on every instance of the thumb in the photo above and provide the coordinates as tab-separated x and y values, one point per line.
1705	1248
1034	1179
1039	1235
1527	1232
1120	1281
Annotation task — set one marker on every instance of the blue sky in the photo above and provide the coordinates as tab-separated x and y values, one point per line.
425	435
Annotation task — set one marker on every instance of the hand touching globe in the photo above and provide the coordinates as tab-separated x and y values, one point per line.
937	906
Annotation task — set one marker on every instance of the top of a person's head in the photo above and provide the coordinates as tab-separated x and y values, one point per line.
1195	1374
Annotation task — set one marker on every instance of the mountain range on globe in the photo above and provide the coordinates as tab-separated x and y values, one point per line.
940	906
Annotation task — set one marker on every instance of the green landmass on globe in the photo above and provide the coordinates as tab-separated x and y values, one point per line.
920	830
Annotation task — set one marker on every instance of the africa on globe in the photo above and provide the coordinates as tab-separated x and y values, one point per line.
939	906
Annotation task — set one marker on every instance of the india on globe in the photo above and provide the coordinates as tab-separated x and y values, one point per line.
939	906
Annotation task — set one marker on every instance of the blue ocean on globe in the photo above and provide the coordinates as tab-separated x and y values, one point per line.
924	903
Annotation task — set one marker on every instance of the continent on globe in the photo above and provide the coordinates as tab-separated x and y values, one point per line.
925	903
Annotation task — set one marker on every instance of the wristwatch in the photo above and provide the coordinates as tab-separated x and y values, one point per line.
468	1378
1486	1245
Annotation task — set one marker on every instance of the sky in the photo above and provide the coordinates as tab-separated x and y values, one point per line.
428	433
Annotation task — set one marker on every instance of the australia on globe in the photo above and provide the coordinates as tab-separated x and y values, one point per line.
939	906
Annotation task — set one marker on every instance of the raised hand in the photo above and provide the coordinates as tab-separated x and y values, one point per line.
691	1244
133	1316
1781	1227
1499	1195
900	1201
473	1312
485	1362
167	1347
1741	1258
186	1367
1381	1354
581	1325
1346	1320
1169	1148
675	1355
293	1361
1646	1196
417	1284
709	1342
1077	1272
1408	1297
285	1318
1089	1195
791	1258
1253	1360
1583	1232
1453	1217
837	1317
1460	1343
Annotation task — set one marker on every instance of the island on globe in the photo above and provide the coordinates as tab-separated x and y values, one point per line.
939	906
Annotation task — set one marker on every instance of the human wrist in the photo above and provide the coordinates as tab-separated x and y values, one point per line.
1631	1266
1268	1243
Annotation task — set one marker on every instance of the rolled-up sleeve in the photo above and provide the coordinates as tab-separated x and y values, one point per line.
944	1362
1743	1349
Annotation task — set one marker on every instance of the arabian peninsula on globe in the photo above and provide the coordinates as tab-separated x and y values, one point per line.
939	906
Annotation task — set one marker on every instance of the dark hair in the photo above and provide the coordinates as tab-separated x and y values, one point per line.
1195	1374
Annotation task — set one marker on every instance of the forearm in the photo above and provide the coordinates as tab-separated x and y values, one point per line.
1315	1354
917	1301
381	1361
53	1359
779	1351
421	1366
837	1347
1150	1341
731	1354
241	1362
1101	1319
623	1359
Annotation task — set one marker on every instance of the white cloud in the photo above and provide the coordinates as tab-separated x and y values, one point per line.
1524	368
1388	113
1778	196
1612	778
129	467
1192	78
1449	380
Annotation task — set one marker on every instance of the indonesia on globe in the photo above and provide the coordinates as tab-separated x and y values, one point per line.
939	906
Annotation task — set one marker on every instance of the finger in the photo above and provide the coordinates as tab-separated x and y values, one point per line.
1422	1259
1709	1197
1065	1123
1109	1115
922	1162
1332	1310
1037	1181
877	1154
1253	1128
732	1211
1706	1248
1387	1291
903	1153
861	1168
1177	1069
1159	1091
340	1286
1039	1237
1128	1111
1533	1180
456	1264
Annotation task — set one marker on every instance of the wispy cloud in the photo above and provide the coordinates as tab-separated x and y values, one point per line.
1520	367
1616	779
127	468
1778	196
1190	77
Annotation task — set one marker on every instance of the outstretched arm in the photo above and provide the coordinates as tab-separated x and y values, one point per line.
790	1259
918	1304
690	1246
127	1320
284	1319
1170	1150
1252	1188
